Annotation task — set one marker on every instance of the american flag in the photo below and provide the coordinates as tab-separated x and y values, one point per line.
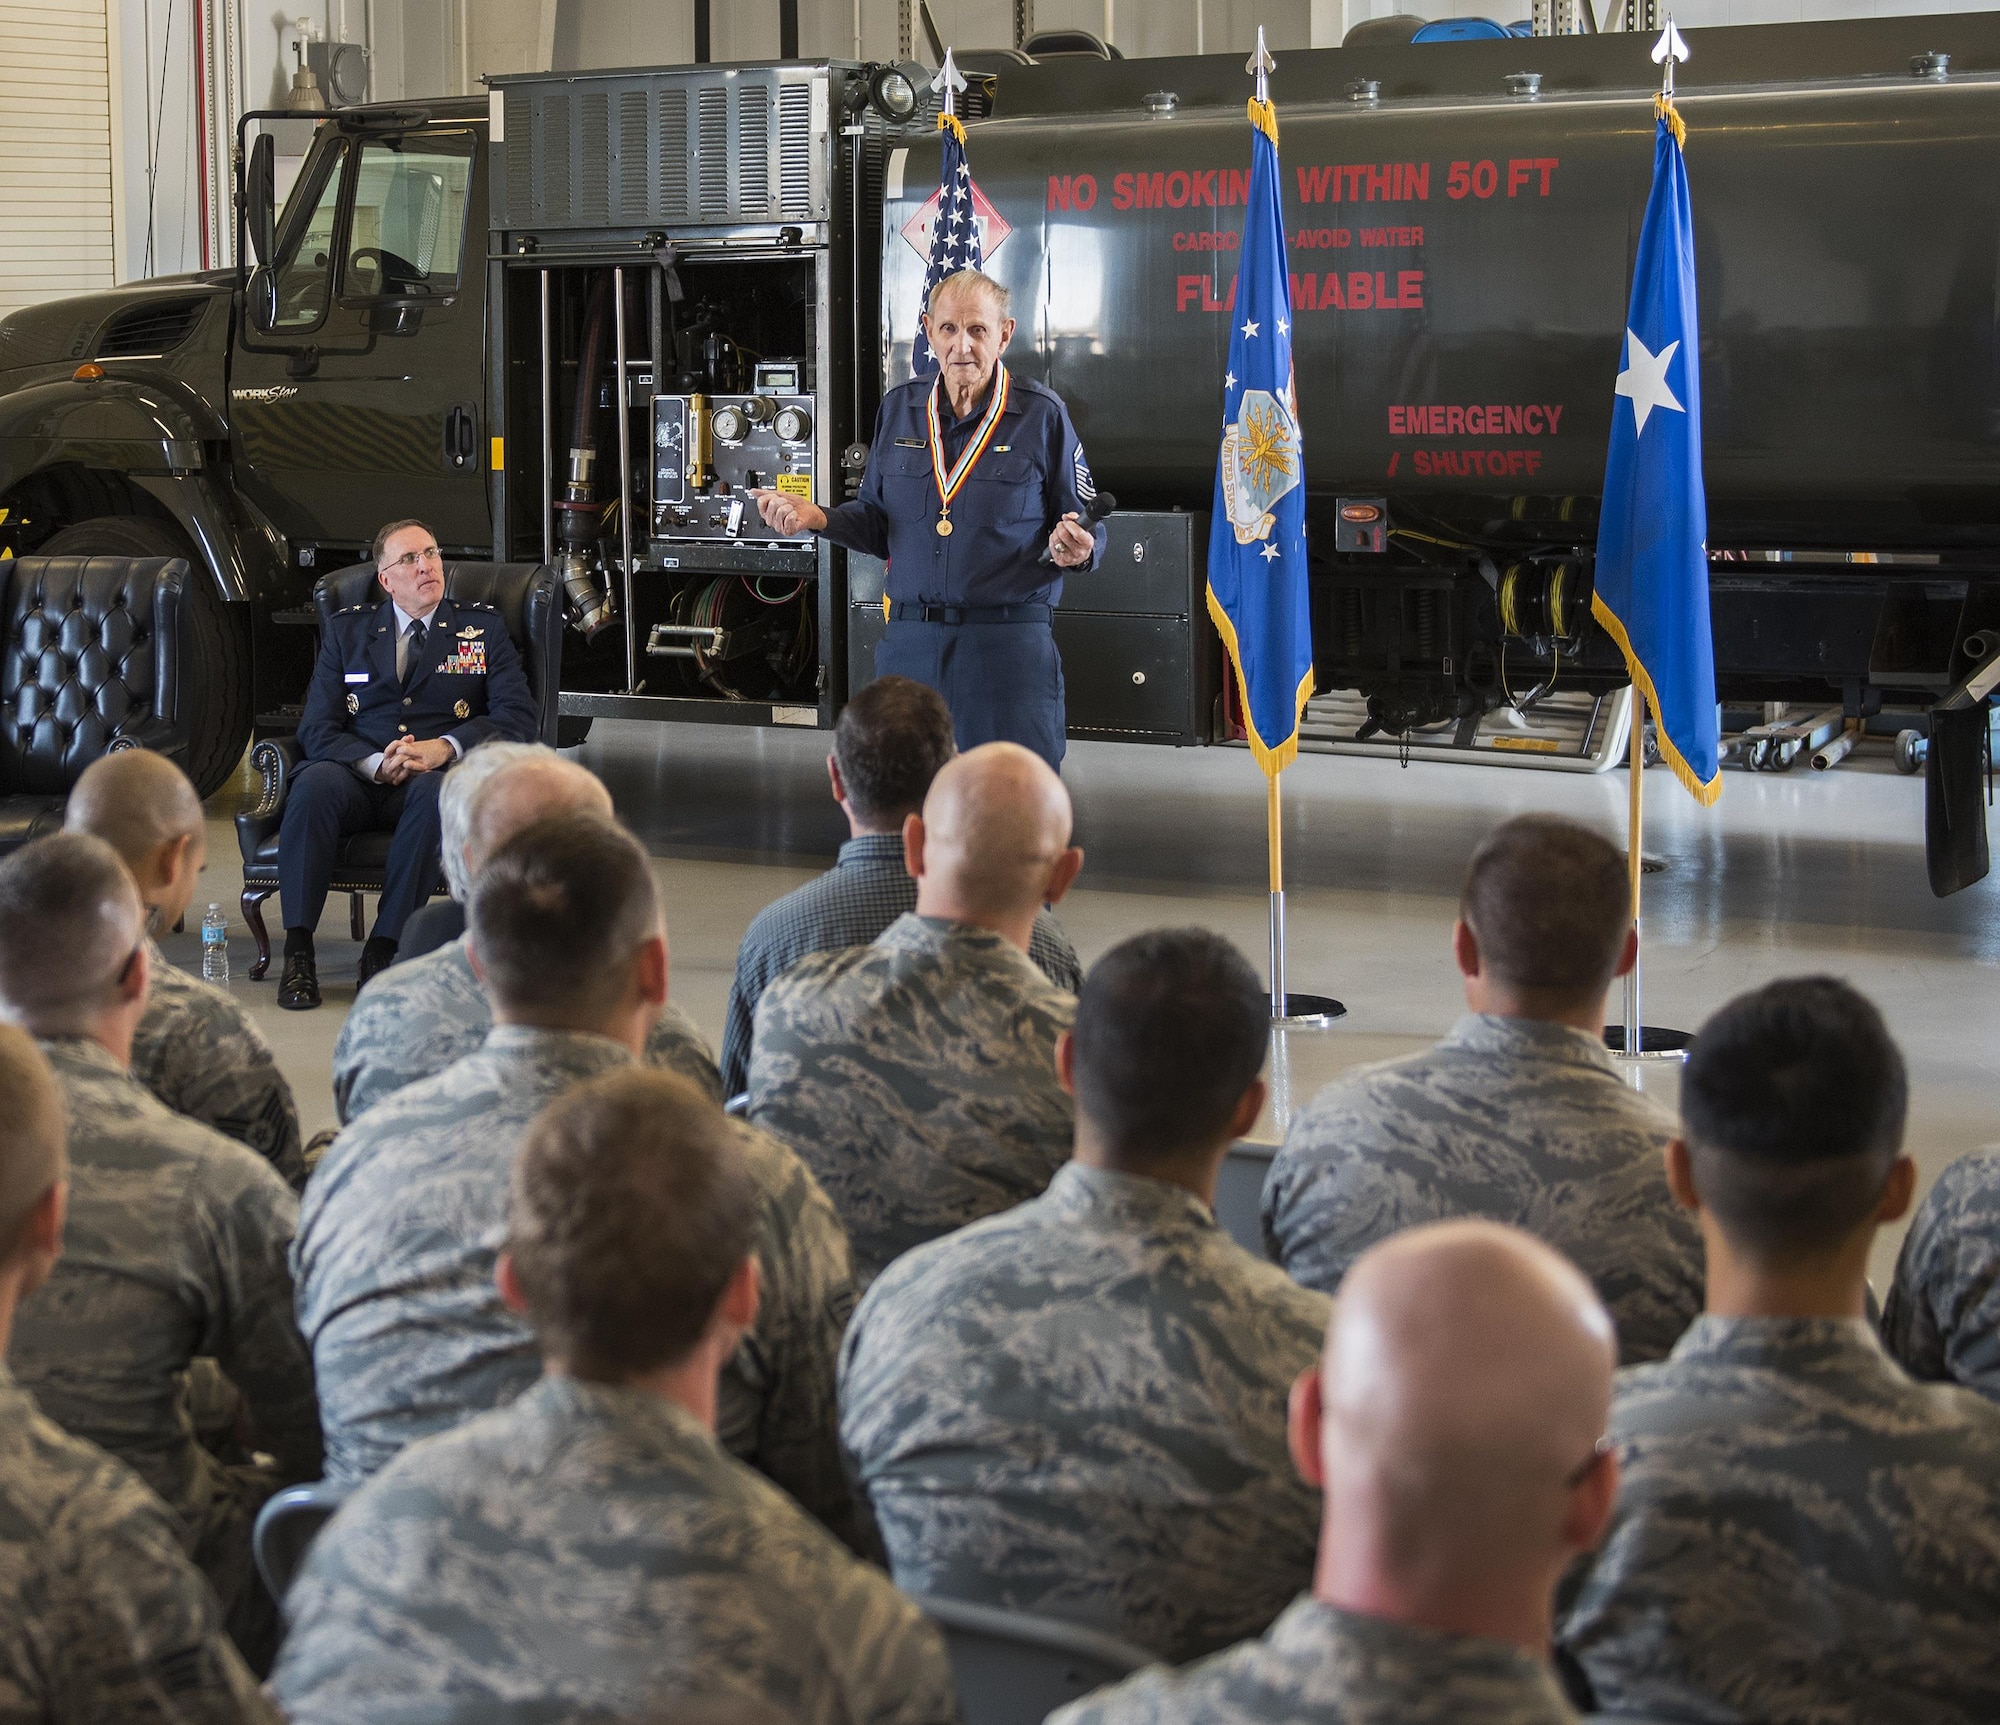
955	237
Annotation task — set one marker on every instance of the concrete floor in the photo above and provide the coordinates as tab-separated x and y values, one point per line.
1786	875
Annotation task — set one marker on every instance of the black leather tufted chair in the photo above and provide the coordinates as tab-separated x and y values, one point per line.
525	594
89	662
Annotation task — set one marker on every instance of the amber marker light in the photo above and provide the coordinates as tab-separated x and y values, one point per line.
88	372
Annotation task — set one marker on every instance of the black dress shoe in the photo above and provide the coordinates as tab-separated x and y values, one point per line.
298	988
376	957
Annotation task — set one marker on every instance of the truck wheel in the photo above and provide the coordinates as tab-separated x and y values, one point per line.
216	659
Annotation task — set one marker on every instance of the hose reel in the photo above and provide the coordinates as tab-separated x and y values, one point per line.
1544	605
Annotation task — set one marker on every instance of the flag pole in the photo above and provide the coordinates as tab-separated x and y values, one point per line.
1666	52
1274	845
1288	1011
1635	1034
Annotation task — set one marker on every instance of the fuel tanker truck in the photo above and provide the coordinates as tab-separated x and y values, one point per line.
576	321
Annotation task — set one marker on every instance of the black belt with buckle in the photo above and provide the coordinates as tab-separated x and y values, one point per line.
969	613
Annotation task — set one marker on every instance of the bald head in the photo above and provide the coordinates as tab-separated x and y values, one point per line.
70	919
135	801
32	1133
527	791
1465	1385
995	829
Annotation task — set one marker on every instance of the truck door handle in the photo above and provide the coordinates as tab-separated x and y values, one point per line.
461	437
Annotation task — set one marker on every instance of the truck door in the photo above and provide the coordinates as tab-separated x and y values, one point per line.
364	398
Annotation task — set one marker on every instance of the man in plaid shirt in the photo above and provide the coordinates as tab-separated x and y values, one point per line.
891	740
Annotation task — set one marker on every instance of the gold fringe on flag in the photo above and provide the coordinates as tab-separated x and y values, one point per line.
1663	106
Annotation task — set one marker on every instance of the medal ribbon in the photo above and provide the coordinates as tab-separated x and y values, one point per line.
948	486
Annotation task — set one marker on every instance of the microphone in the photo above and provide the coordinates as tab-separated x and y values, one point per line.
1103	504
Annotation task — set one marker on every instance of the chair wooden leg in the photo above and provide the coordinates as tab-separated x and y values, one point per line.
356	923
252	902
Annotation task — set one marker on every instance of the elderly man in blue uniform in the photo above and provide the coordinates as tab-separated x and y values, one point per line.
978	494
402	689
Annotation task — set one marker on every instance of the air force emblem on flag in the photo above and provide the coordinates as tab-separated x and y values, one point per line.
1261	461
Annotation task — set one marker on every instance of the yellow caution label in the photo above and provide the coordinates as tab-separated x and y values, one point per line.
499	453
1529	745
796	485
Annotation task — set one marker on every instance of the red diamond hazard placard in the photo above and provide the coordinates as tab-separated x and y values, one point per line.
993	228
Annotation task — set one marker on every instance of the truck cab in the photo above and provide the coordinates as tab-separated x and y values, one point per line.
357	373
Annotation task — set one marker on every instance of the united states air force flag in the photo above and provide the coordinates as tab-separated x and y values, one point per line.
955	243
1257	543
1652	551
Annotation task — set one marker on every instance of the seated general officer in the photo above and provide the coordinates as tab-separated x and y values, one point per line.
402	689
975	484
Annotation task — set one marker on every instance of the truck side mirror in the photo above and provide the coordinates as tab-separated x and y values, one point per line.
263	298
260	197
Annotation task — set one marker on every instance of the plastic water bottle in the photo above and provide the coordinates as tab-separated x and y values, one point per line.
215	946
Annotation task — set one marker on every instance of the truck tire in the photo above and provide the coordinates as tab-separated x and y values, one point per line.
215	659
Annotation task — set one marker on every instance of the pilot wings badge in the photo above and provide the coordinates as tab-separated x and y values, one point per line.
1262	456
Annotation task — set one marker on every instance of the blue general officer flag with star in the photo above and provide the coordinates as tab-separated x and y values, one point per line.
1652	550
955	242
1257	542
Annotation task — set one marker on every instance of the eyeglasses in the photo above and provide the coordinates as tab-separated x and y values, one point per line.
410	559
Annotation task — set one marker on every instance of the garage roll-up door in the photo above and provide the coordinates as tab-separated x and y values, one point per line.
55	151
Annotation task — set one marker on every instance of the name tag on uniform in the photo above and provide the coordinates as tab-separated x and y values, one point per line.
357	676
909	443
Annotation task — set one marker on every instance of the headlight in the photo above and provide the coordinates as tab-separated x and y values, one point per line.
894	95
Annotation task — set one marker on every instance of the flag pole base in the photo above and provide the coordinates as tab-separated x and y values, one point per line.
1308	1012
1656	1042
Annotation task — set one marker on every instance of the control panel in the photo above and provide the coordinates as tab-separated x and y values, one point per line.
710	450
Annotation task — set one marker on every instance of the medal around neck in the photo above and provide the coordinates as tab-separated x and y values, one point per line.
948	483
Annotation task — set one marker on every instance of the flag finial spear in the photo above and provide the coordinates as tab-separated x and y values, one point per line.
948	82
1669	48
1262	65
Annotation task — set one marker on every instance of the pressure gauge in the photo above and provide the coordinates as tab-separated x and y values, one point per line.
793	424
730	424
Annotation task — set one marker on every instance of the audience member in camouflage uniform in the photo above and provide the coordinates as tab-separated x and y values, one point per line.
403	1220
1519	1115
917	1076
891	740
176	1240
1078	1408
102	1617
414	1019
1942	1317
590	1550
196	1049
1803	1534
1456	1424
